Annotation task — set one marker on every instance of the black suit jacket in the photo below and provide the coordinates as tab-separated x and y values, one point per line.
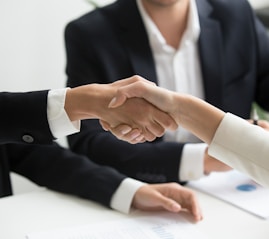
24	117
111	43
48	165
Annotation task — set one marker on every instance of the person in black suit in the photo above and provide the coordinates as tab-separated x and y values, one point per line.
30	122
215	50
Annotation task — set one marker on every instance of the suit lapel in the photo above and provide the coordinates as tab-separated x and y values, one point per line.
211	53
134	38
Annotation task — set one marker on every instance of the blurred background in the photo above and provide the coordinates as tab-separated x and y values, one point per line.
32	54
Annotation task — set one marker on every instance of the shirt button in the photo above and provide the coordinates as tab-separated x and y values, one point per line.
27	138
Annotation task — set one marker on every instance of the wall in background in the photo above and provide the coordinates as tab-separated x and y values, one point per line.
32	54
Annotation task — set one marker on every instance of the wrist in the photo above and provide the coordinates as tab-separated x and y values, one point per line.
86	102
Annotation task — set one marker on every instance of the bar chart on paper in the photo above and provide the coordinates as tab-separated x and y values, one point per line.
157	226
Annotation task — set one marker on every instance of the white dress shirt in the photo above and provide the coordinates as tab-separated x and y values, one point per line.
179	70
242	146
60	126
59	122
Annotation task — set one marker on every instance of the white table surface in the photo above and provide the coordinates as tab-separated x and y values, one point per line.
47	210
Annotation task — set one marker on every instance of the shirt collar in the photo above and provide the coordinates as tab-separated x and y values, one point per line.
192	31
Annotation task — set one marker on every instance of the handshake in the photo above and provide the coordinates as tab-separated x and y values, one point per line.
140	110
136	110
133	109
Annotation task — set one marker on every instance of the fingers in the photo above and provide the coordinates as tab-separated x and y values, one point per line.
264	124
186	198
158	125
124	132
150	125
168	196
165	121
172	206
193	206
133	137
168	204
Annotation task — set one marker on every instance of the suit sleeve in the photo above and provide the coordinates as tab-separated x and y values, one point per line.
61	170
24	117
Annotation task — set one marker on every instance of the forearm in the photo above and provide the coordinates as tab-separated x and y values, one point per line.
140	161
62	170
201	118
88	102
192	113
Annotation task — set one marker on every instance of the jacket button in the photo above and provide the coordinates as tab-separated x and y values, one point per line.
27	138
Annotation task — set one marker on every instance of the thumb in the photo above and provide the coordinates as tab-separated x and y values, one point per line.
117	101
123	93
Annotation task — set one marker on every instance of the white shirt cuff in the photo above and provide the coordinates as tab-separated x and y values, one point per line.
192	162
59	122
123	196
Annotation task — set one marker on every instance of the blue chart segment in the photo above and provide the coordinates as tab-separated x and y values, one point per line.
246	187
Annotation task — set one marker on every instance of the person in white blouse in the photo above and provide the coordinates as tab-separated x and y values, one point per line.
231	139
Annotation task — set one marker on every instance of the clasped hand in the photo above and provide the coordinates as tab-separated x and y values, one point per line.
134	119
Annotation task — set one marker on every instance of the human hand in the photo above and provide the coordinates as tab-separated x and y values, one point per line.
168	196
91	101
262	123
141	121
213	165
141	88
141	117
124	132
135	87
190	112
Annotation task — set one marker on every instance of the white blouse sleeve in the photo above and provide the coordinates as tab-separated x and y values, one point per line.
242	146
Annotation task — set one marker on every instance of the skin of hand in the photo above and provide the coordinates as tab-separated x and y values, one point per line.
185	109
213	165
91	101
126	132
168	196
262	123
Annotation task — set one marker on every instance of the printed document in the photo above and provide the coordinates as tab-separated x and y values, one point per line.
156	226
237	189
